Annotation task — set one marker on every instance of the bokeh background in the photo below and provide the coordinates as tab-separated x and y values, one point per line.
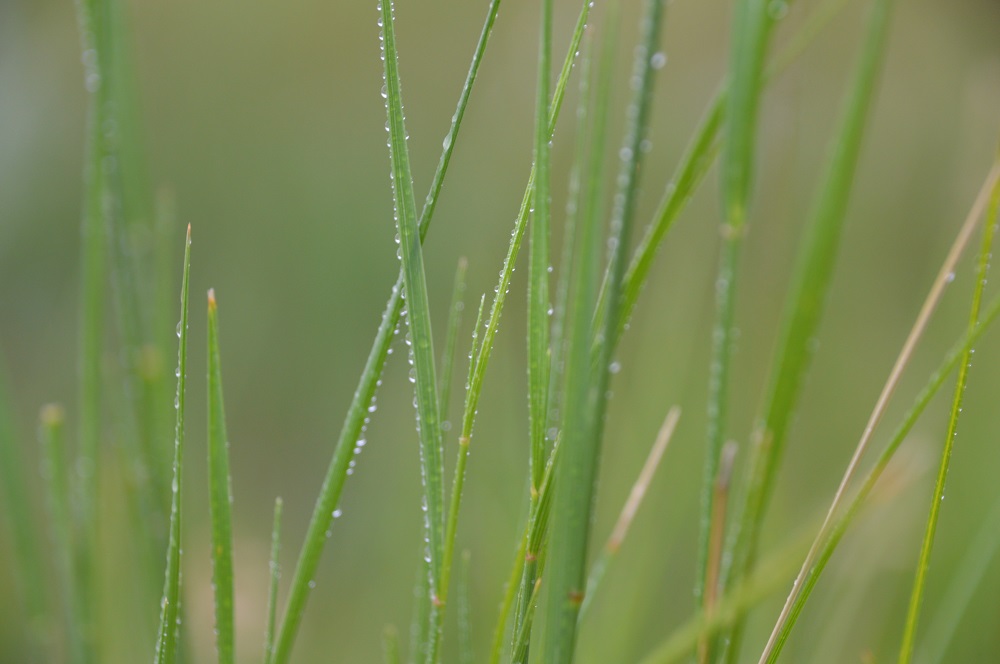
264	122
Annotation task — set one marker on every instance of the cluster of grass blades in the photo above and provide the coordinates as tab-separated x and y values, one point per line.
573	330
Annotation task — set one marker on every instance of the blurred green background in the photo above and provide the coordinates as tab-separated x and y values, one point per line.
264	121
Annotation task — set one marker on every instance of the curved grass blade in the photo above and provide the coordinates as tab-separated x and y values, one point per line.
275	569
916	598
919	326
804	306
419	334
343	454
167	639
220	495
831	533
509	595
752	24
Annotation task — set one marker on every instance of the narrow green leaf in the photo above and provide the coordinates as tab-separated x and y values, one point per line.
804	305
274	567
916	598
166	642
507	603
220	495
587	392
752	23
364	394
419	335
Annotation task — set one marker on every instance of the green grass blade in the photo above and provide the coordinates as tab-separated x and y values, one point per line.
466	653
636	495
167	639
804	306
507	602
539	261
220	495
52	434
966	580
587	392
18	513
419	335
364	394
752	24
486	349
538	302
451	337
274	567
916	598
944	277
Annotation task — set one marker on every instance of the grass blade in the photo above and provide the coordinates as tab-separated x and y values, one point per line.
916	598
539	357
805	303
419	335
752	24
830	535
272	591
930	304
390	645
587	391
220	495
343	454
166	642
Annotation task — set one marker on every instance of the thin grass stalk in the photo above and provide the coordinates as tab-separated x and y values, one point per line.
962	586
920	577
587	385
52	435
539	304
752	24
631	507
466	653
274	569
364	394
419	335
804	307
522	640
17	508
698	158
220	496
720	504
167	639
451	338
944	277
828	539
